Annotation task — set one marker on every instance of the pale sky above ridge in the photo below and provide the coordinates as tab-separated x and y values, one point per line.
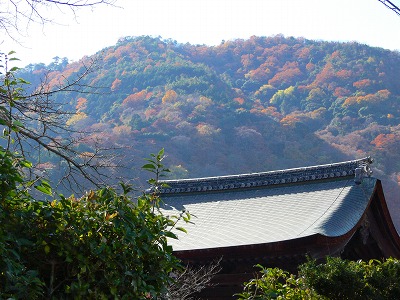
208	22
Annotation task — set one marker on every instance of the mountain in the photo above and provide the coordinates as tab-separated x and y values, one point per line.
243	106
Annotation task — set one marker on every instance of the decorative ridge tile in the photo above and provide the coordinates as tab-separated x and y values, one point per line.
271	178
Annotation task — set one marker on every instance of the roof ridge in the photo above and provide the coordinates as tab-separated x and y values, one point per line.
293	175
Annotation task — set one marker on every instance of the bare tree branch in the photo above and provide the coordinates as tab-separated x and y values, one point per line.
78	3
391	6
15	14
35	121
191	281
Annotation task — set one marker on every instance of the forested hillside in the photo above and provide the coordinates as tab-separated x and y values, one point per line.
251	105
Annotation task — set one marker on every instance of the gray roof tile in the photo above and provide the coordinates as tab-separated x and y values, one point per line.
329	207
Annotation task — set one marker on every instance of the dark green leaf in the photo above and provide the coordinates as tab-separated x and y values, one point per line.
149	166
181	229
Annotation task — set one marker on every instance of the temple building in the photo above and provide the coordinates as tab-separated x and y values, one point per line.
278	218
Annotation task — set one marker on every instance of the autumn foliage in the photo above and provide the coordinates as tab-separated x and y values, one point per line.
294	101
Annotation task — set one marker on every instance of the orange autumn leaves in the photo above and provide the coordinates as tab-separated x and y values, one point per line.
375	98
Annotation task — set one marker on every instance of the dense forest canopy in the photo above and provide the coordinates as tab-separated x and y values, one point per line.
250	105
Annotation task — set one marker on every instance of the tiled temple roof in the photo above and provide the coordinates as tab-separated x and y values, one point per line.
279	218
327	200
272	178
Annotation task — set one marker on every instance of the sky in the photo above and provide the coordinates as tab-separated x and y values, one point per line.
205	22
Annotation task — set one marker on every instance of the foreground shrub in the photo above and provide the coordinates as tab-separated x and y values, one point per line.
100	246
104	245
344	279
275	283
334	279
